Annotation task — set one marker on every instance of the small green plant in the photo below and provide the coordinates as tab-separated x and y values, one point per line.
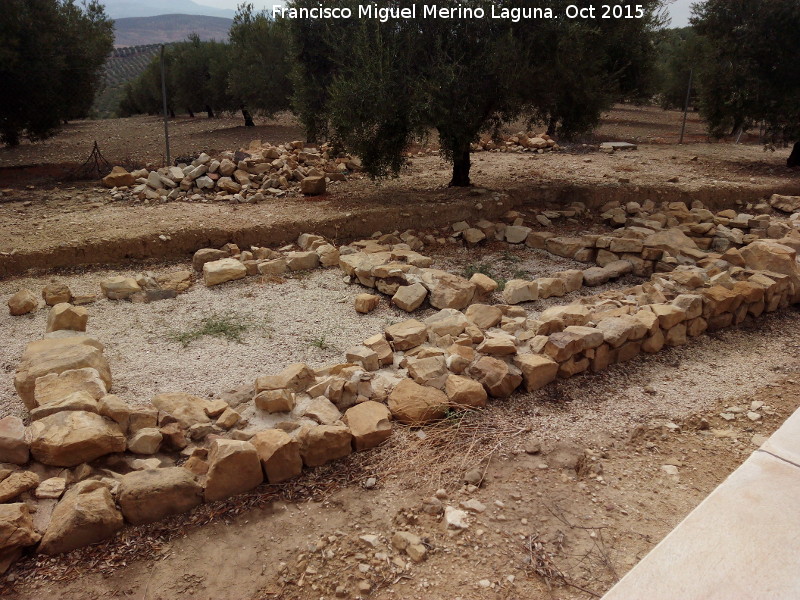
510	258
484	269
265	327
301	275
221	326
319	342
455	415
520	274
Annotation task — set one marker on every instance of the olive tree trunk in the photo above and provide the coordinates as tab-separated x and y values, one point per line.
461	165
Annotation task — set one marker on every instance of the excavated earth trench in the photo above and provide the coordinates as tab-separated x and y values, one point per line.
175	230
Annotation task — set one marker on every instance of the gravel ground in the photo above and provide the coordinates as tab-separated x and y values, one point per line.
309	319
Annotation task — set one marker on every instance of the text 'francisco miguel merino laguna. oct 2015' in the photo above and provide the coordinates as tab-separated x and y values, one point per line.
433	11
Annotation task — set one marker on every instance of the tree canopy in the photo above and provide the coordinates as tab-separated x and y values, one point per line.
251	70
198	75
750	73
377	84
681	53
143	95
196	80
51	61
260	61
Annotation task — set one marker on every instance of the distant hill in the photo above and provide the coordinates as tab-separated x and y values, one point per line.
163	29
122	9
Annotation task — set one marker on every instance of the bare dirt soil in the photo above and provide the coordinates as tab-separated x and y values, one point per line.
579	480
140	140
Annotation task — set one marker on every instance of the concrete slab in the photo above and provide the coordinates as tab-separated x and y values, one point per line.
785	443
743	541
615	146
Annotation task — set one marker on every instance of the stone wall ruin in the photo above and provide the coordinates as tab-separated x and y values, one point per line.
92	462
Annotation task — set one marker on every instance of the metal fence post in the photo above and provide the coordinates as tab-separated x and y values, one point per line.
686	106
164	97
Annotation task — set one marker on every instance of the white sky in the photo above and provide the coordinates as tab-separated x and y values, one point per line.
679	10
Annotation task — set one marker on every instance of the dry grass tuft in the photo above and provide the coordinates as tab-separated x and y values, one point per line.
441	453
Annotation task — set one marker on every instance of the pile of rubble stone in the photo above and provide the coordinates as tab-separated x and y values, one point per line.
262	171
89	462
520	142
